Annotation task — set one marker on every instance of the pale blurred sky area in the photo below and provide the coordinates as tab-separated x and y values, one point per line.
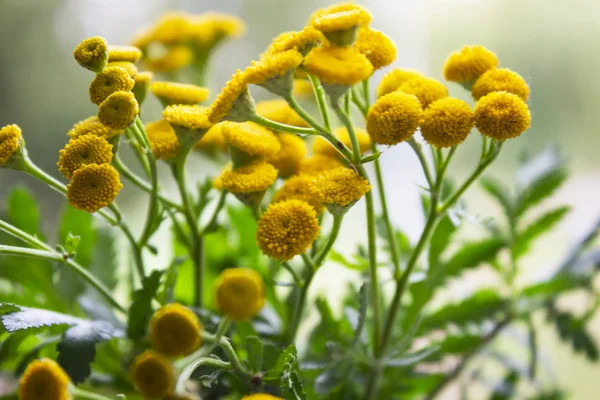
554	44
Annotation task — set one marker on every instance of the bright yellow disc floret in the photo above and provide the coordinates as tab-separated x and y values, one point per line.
299	188
95	127
124	53
467	64
303	41
93	187
302	88
394	118
175	58
109	81
119	110
318	164
502	115
394	79
210	28
272	66
44	380
171	27
261	396
92	53
340	17
187	117
163	140
228	96
213	139
427	90
447	122
140	88
251	178
126	65
152	375
338	65
323	146
342	7
280	111
240	293
500	80
376	46
251	138
175	330
287	160
10	136
84	150
340	186
287	229
179	93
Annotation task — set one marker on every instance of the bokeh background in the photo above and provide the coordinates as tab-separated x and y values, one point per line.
554	44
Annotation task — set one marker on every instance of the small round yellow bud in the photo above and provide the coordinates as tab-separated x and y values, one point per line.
240	293
10	137
318	164
302	88
339	23
84	150
233	92
109	81
303	41
251	138
124	53
152	375
119	110
500	80
338	189
44	380
343	66
188	117
249	179
209	29
447	122
163	140
172	27
376	46
175	330
299	188
427	90
288	159
179	93
92	53
280	111
273	66
502	115
140	88
394	79
92	125
467	64
394	118
126	65
175	58
213	140
93	187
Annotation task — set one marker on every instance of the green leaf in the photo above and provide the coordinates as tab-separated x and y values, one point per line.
440	239
141	308
255	348
104	257
289	355
499	192
23	211
550	288
506	389
16	318
361	265
572	330
459	344
535	229
412	358
362	312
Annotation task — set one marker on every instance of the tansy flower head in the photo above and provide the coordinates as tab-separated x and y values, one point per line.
280	111
447	122
302	88
251	178
152	375
394	79
324	147
95	127
287	160
124	53
502	115
394	118
208	29
119	110
275	72
339	23
175	330
213	140
319	163
376	46
286	229
84	150
500	80
92	53
299	188
140	88
163	140
172	27
338	189
175	58
427	90
10	137
303	41
240	293
261	396
93	187
251	138
179	93
469	63
44	380
188	117
234	102
109	81
126	65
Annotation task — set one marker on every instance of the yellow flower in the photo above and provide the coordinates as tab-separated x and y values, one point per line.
124	53
179	93
175	330
339	187
213	140
287	160
152	375
280	111
44	380
140	88
299	188
394	118
163	140
249	179
340	22
234	90
92	53
273	66
261	396
500	80
323	146
84	150
303	41
447	122
240	293
344	66
109	81
302	88
10	137
188	117
175	58
126	65
502	115
93	187
427	90
286	229
469	63
210	28
319	163
342	7
394	79
172	27
95	127
376	46
119	110
251	138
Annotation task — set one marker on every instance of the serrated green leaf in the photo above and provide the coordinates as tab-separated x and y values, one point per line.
24	318
255	349
71	243
498	191
23	211
471	255
141	308
539	189
536	228
288	355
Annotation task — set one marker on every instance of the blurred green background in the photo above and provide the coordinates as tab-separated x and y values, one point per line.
554	44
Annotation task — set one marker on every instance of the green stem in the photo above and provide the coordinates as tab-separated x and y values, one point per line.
294	274
304	114
422	159
343	116
335	230
276	126
85	395
137	150
321	103
213	220
31	253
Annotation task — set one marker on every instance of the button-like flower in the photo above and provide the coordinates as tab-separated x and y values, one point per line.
288	159
249	179
427	90
394	118
339	23
213	140
344	66
124	53
502	115
163	140
152	375
323	146
81	151
179	93
209	29
109	81
376	46
44	380
299	188
280	111
175	330
338	189
175	58
190	122
92	53
275	72
447	122
140	88
318	164
394	79
303	41
119	110
240	293
126	65
92	125
93	187
10	137
500	80
172	27
234	102
251	138
469	63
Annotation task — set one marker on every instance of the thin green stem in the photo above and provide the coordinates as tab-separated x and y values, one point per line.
343	116
321	103
137	150
335	230
213	220
276	126
422	159
30	253
80	394
367	93
294	274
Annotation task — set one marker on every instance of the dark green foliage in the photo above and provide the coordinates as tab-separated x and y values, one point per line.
141	307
